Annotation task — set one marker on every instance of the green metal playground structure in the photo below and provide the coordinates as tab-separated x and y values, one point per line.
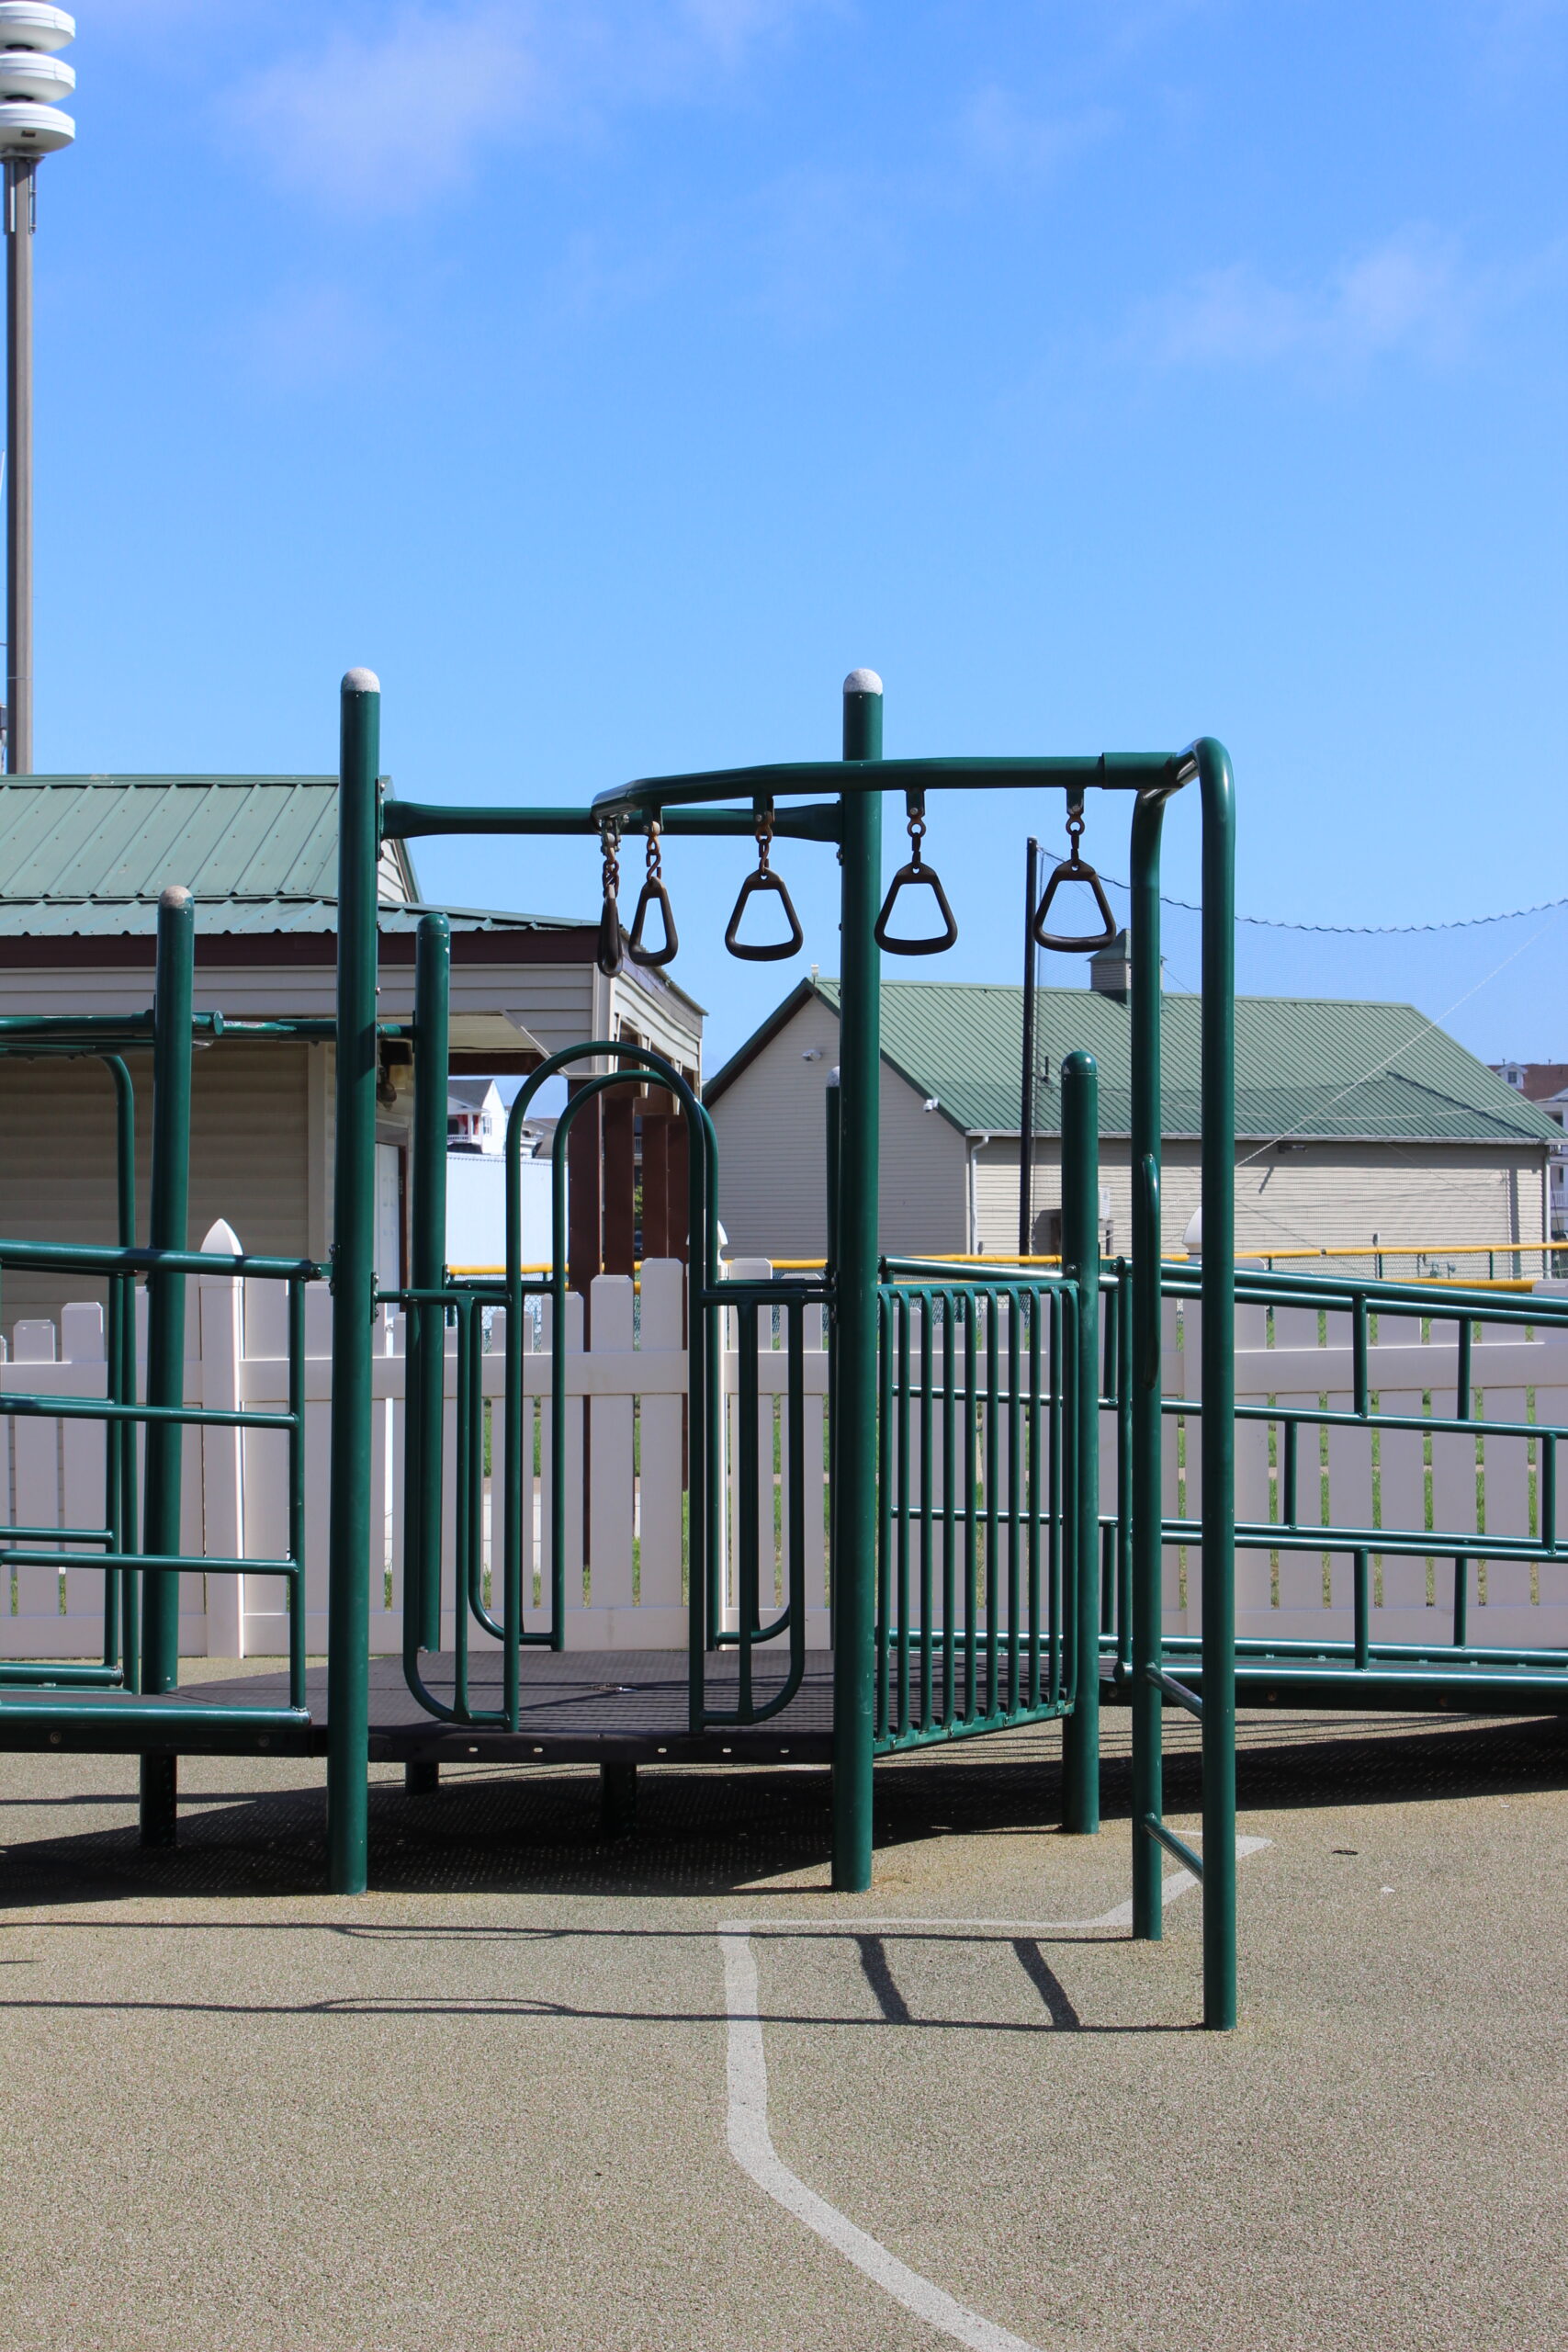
1005	1590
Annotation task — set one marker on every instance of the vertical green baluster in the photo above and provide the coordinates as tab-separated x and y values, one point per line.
830	1099
462	1516
883	1608
1054	1523
1146	1432
1465	1407
517	1414
1015	1487
168	1219
426	1332
1124	1468
1218	1029
906	1504
747	1499
297	1492
950	1491
1035	1490
971	1500
994	1500
1359	1561
928	1363
860	1033
1080	1263
795	1313
120	1365
353	1283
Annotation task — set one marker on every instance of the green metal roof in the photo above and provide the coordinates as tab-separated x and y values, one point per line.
1320	1066
88	855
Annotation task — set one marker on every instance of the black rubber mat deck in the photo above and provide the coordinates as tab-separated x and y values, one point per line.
577	1706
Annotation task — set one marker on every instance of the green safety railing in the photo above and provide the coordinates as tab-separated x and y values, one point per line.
122	1702
1157	1669
977	1582
1457	1661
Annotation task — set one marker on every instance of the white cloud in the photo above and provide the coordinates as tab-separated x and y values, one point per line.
1410	293
309	335
1000	137
387	120
384	123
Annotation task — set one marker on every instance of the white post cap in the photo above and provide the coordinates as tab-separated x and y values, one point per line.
863	681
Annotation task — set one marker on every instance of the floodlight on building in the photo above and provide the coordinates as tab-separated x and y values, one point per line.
33	78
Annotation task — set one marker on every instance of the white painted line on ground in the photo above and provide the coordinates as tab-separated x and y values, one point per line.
751	2143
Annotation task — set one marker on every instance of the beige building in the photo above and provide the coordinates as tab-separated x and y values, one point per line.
1359	1125
81	863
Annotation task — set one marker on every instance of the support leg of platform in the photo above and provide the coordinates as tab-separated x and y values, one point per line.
160	1800
422	1778
617	1800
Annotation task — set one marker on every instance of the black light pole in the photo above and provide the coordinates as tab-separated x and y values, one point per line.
31	78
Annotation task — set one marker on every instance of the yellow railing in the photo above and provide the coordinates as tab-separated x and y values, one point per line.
1379	1252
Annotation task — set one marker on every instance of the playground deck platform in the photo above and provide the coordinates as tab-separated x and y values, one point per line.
632	1706
578	1707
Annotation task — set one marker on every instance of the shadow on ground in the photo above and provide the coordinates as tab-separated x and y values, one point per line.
712	1832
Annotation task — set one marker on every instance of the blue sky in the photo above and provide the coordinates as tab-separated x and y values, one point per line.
612	375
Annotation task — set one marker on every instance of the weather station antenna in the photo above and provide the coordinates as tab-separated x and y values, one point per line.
34	77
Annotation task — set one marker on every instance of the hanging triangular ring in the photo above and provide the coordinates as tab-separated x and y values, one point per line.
608	955
654	894
906	877
764	879
1073	869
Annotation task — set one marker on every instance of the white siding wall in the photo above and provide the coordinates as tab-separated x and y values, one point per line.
658	1017
1328	1196
249	1158
771	1123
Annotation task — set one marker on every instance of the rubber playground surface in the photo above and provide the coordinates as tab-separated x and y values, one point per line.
545	2089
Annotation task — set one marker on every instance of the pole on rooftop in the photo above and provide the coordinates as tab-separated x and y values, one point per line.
31	78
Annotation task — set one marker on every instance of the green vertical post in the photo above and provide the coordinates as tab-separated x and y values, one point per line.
354	1288
1148	818
121	1354
432	1005
1080	1264
831	1110
167	1221
855	1299
1218	1358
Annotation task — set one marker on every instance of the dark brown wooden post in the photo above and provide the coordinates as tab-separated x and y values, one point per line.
676	1161
620	1180
584	1160
656	1204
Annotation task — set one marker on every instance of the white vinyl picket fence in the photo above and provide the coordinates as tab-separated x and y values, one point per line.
1409	1479
625	1504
